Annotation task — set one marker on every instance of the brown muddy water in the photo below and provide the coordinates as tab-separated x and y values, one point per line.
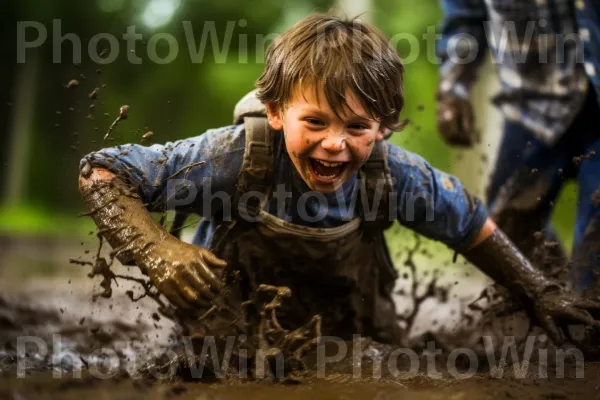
61	330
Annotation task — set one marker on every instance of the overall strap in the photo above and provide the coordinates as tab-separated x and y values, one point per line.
256	174
378	189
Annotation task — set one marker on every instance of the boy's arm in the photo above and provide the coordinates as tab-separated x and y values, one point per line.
547	302
184	273
181	174
462	48
436	205
120	184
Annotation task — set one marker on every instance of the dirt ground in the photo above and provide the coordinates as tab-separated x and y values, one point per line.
44	307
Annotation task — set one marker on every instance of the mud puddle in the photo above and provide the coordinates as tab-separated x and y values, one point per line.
130	330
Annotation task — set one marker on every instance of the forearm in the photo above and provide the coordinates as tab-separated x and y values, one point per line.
494	254
120	216
486	231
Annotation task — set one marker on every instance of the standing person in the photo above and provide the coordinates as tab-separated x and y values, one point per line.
549	107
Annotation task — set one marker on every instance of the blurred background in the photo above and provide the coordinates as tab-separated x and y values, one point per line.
47	124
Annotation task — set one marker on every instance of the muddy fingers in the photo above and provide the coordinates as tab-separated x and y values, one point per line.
175	298
204	269
214	260
193	298
200	287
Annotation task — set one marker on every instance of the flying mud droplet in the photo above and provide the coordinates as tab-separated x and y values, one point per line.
94	94
123	114
73	83
147	136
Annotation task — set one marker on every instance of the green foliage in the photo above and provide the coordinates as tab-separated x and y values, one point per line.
182	99
35	221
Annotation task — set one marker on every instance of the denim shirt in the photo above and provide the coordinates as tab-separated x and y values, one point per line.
199	175
588	20
538	52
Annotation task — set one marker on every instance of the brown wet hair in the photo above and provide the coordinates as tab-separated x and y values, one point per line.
336	54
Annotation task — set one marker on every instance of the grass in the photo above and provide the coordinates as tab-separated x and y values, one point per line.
28	220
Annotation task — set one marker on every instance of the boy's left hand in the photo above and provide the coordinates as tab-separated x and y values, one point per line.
556	308
547	303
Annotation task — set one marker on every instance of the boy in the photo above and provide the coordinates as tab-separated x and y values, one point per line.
332	91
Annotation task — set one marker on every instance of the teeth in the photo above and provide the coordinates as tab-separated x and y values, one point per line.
327	176
329	164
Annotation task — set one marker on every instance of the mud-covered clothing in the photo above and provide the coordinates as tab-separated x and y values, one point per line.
328	249
340	278
529	176
537	50
200	175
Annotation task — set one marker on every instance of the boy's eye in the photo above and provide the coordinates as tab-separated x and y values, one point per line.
314	121
358	127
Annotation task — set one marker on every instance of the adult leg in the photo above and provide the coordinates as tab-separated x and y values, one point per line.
523	188
586	246
510	158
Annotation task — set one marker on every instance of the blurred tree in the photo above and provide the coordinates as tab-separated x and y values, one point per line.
177	99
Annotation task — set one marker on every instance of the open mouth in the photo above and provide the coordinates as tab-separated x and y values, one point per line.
326	171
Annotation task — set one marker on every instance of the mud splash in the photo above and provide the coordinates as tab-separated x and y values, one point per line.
363	372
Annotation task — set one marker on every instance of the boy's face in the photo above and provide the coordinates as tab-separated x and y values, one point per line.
325	149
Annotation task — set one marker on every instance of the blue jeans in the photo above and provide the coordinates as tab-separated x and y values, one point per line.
528	177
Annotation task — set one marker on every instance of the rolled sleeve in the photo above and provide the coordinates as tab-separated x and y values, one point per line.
433	203
159	172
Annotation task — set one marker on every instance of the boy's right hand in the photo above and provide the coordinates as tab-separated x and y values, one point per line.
455	119
188	275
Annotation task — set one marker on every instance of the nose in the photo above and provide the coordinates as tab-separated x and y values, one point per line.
334	143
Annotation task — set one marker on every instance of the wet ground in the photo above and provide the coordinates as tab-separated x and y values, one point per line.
334	388
44	307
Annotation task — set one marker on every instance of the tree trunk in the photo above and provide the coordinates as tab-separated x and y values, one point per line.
19	130
474	166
